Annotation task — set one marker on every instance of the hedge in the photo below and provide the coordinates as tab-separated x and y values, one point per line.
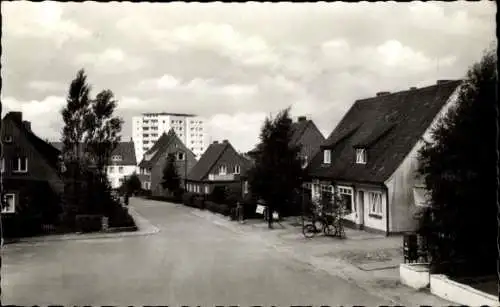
121	218
88	222
218	208
187	198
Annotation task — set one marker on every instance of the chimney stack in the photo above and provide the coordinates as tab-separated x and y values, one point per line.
225	141
215	142
27	125
302	118
382	93
413	88
16	116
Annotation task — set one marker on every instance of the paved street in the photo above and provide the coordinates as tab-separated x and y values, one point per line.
191	261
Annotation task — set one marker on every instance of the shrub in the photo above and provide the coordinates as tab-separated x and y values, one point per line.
219	194
199	202
218	208
88	222
121	218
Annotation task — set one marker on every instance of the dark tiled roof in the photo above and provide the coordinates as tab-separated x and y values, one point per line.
210	157
388	126
49	152
207	161
154	153
125	149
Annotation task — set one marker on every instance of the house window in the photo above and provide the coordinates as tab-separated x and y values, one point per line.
20	165
245	187
7	139
304	162
180	156
361	156
236	169
327	156
222	170
346	193
9	203
120	169
116	158
197	189
111	169
207	189
3	165
375	202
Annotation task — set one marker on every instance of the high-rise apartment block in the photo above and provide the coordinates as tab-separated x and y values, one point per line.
148	128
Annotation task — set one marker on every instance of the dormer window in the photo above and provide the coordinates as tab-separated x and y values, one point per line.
222	170
327	156
116	158
360	155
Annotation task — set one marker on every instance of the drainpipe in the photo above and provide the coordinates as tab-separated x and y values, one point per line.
386	210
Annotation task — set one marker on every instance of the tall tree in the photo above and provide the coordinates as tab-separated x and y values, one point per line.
103	129
171	179
74	114
277	173
457	165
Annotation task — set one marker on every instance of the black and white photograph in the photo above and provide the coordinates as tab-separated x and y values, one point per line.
249	154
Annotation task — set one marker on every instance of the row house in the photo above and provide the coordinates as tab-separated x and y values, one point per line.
155	159
30	171
371	157
220	165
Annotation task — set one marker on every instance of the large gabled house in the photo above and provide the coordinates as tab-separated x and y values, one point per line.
371	156
155	159
220	165
122	162
30	170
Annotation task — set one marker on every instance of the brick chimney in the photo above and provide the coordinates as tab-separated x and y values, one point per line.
413	88
382	93
27	125
302	118
215	142
16	116
225	141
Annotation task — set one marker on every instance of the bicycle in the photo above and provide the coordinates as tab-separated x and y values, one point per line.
310	230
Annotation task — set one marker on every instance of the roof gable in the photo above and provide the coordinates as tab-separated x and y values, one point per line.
207	161
388	126
124	149
160	147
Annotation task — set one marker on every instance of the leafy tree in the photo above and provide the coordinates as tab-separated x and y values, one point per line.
277	173
171	179
74	114
457	165
103	130
133	184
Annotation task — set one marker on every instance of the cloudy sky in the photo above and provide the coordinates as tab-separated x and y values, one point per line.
233	63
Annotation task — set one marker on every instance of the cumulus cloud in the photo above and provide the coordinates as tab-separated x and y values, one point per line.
222	63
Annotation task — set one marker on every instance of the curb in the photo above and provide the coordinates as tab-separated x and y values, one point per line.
143	225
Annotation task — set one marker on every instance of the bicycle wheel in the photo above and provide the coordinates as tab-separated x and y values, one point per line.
309	231
329	230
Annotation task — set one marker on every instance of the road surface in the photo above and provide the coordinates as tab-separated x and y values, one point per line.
191	261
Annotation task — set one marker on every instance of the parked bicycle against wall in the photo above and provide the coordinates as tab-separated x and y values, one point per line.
319	224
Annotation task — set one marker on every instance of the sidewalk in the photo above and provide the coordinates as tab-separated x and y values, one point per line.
144	228
371	261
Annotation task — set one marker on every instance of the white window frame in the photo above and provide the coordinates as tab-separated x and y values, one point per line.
207	189
13	209
2	165
360	155
112	169
222	170
344	190
7	139
116	158
181	156
121	169
327	156
375	209
19	170
237	169
304	162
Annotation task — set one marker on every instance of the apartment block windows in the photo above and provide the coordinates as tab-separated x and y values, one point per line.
20	165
